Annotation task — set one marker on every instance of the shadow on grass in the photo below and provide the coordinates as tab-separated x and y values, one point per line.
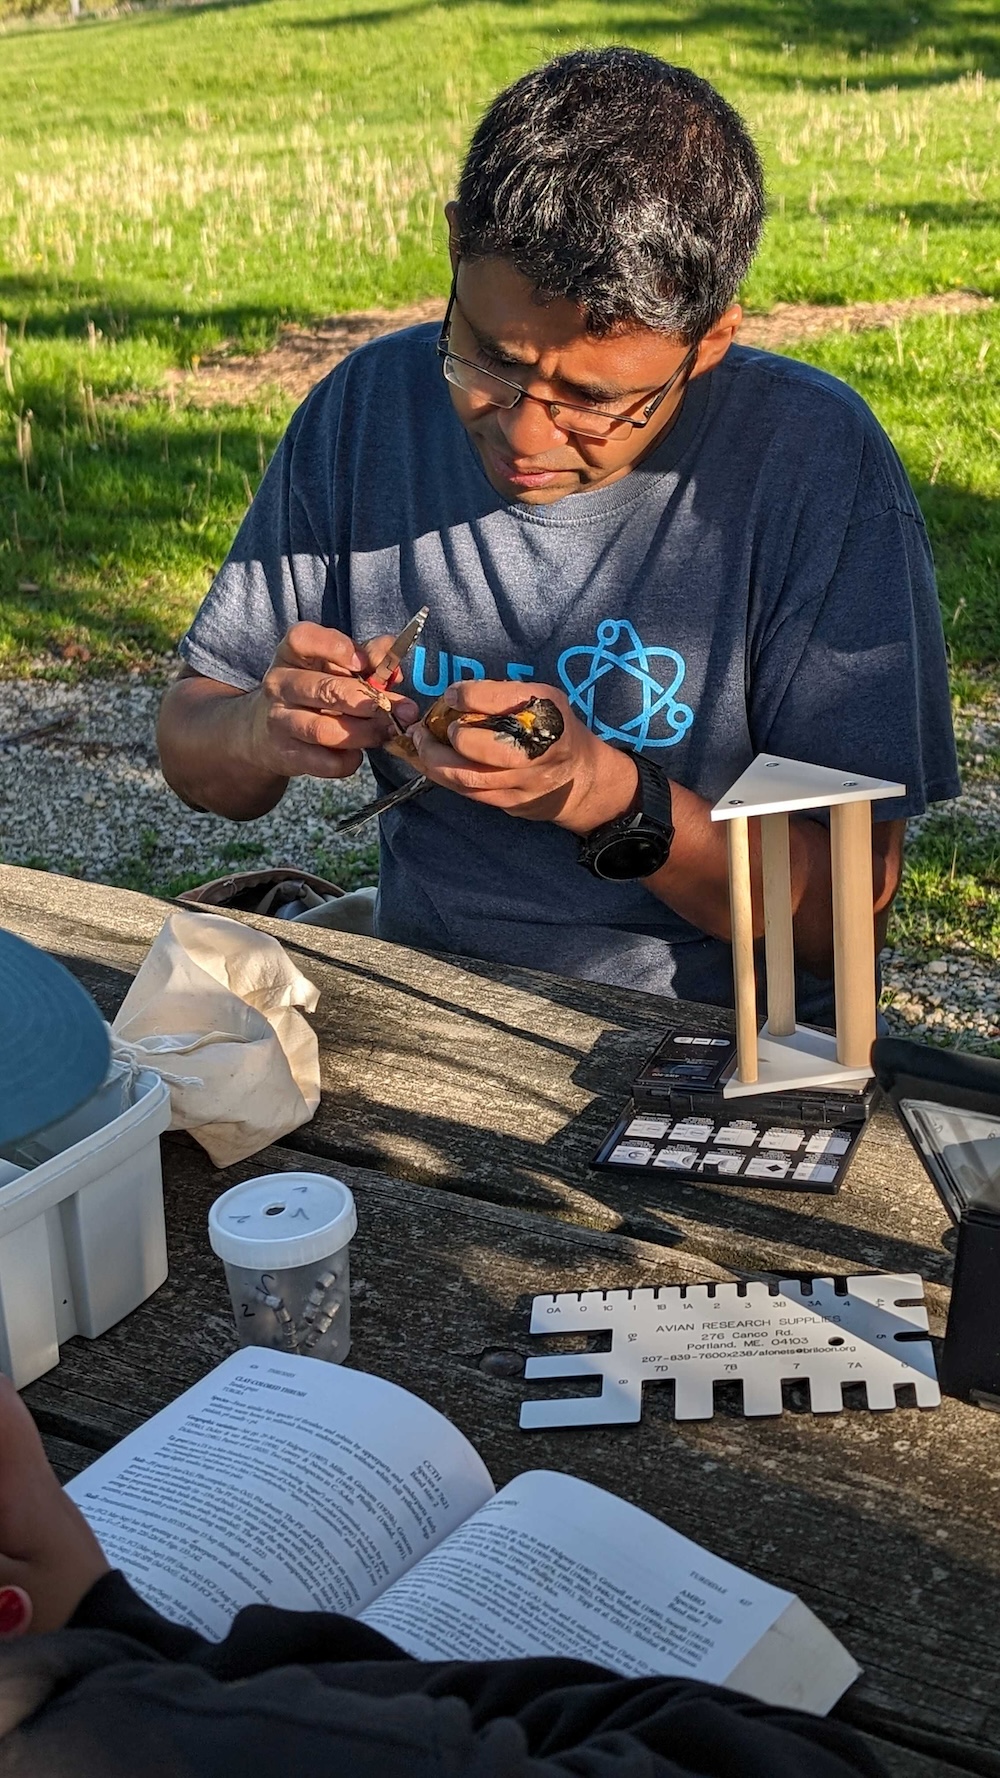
961	33
964	530
960	36
964	211
53	307
114	542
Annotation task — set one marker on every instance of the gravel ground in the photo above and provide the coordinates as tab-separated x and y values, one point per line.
88	799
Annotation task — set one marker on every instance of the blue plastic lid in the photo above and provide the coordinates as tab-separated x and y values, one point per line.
54	1044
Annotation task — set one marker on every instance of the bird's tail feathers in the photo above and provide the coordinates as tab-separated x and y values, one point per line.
391	800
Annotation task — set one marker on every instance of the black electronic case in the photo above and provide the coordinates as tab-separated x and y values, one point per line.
949	1105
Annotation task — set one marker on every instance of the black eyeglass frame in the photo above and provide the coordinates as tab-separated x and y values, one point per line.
445	352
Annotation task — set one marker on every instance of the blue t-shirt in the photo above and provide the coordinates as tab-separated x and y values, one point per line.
760	582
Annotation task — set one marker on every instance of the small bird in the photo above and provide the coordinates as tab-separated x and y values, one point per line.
533	728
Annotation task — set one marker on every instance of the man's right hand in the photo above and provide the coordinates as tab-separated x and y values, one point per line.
233	751
311	716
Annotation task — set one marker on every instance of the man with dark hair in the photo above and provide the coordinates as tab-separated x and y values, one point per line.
621	184
697	551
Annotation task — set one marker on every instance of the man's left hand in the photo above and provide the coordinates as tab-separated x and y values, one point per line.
579	783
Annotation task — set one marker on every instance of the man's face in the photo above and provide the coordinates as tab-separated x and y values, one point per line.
547	350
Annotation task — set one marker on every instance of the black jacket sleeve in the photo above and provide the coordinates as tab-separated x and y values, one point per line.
121	1693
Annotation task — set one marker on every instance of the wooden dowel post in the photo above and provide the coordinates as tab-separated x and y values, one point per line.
744	975
853	932
778	946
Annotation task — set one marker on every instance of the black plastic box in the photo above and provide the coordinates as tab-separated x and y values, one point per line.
949	1105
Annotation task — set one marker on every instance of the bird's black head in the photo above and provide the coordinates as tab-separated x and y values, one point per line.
534	727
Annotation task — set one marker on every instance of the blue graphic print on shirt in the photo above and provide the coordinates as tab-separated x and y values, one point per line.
635	661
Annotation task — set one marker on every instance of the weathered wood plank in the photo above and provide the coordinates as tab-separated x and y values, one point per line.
886	1524
500	1083
907	1762
66	1456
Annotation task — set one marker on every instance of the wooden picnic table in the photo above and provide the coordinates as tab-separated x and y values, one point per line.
462	1102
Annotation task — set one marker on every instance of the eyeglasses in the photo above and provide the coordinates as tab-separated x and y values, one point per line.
470	377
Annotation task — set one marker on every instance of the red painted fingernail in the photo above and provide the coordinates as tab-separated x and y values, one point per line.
13	1610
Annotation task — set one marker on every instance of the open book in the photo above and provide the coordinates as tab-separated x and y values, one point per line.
290	1482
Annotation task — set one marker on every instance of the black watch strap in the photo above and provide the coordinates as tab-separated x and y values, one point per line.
655	800
638	844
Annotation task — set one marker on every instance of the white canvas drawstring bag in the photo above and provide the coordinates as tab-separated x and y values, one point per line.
214	1011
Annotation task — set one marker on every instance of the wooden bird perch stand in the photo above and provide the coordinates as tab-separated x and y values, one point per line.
785	1054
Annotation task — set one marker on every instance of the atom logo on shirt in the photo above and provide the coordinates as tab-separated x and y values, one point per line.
591	674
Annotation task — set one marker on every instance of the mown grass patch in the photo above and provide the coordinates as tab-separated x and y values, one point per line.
179	177
951	890
935	385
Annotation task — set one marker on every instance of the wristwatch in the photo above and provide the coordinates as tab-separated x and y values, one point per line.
635	845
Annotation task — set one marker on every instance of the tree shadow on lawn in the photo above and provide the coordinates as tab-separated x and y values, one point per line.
55	308
968	35
961	35
138	529
116	554
964	530
963	211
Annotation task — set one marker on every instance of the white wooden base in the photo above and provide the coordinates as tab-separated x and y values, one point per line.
806	1058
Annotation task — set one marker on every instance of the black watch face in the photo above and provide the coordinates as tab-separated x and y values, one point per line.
633	855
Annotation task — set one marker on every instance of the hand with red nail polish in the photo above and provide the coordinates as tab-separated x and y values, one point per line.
15	1613
49	1557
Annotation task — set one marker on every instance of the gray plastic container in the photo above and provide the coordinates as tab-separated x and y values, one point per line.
284	1240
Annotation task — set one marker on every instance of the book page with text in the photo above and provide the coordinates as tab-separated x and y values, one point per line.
281	1481
554	1566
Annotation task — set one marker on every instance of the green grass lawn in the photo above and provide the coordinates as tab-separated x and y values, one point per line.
935	385
177	178
127	504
